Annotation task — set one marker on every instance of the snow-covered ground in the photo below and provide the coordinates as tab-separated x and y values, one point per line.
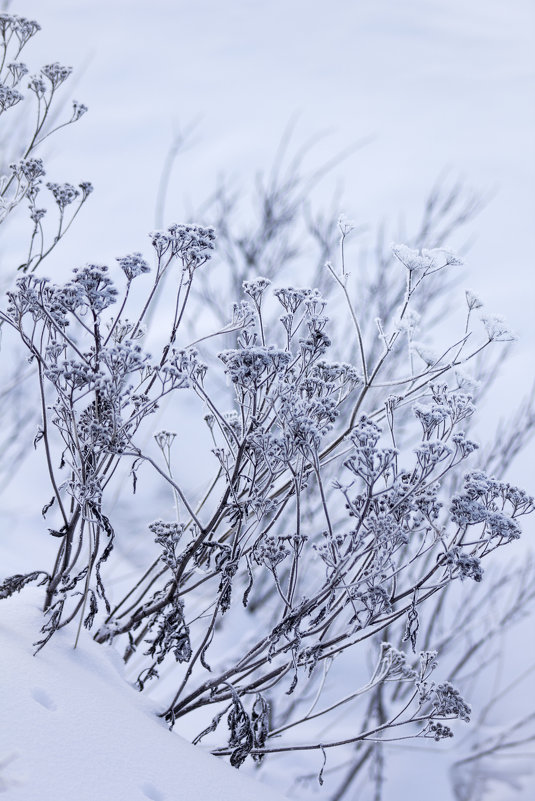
74	730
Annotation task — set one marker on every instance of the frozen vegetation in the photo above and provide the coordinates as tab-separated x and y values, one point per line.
267	508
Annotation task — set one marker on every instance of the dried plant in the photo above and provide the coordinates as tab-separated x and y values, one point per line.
31	107
343	499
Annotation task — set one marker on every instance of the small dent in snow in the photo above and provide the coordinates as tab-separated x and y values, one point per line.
6	782
42	697
150	791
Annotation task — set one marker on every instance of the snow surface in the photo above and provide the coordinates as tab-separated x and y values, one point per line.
74	730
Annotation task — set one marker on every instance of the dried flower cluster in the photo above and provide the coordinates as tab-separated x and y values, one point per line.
341	556
334	511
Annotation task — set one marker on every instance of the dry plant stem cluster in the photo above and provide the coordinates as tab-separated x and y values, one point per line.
343	493
24	179
297	423
32	109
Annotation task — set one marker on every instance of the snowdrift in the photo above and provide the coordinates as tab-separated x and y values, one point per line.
74	730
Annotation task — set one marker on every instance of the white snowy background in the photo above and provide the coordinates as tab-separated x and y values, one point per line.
431	85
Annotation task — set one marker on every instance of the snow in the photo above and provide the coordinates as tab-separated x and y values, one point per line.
74	730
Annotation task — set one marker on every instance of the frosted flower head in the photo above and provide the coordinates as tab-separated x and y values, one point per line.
133	265
409	322
243	314
410	258
345	225
290	298
425	260
472	300
464	446
64	194
24	29
209	419
87	188
366	433
8	97
163	530
160	242
468	566
38	86
31	169
167	535
497	328
190	243
164	439
466	381
56	73
447	701
430	416
6	24
271	551
78	110
314	302
425	353
246	367
395	662
502	526
18	70
438	731
255	289
36	215
430	453
93	287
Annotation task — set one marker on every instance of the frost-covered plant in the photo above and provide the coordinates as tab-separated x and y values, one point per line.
372	552
31	106
343	497
25	169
